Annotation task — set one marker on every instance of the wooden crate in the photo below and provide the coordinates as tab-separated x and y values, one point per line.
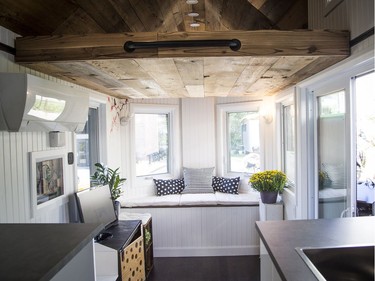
132	261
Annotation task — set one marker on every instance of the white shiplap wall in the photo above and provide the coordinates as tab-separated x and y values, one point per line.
203	231
357	16
15	186
198	132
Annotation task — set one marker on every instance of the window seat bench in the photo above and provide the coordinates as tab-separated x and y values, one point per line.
198	199
214	224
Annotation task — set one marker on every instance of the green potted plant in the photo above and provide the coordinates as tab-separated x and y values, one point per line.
103	176
269	183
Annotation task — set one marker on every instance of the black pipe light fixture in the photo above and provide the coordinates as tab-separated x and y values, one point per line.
233	44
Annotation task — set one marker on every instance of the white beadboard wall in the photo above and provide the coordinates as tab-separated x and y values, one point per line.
15	186
357	16
198	132
203	231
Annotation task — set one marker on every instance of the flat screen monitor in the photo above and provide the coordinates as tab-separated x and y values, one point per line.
96	206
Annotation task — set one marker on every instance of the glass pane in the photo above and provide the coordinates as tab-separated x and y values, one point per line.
243	142
289	162
365	98
151	144
331	155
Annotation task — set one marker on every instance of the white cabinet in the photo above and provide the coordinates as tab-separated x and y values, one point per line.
269	212
80	267
106	263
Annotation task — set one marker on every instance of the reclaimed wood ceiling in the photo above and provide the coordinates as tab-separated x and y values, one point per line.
81	41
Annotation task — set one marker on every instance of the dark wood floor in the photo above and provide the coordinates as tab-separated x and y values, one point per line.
239	268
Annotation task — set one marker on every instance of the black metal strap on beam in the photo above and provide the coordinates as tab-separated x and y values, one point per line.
233	44
361	37
7	49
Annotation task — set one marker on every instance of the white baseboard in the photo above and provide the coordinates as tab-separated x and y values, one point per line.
206	251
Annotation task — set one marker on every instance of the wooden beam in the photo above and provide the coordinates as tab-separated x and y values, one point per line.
110	46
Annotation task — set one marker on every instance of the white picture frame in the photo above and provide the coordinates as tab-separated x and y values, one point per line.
47	178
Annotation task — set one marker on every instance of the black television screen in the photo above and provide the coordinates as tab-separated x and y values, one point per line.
96	206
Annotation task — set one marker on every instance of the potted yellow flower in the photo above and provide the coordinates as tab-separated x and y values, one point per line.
269	183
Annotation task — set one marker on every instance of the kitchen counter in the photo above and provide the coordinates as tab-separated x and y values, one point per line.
282	237
39	251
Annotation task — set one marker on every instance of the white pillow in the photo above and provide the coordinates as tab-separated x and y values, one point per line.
198	180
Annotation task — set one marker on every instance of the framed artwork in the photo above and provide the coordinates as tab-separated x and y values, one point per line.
330	5
47	171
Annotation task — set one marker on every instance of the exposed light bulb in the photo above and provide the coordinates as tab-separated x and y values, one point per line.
193	14
195	24
191	2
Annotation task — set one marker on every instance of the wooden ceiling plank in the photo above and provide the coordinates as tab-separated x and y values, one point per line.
248	17
29	17
149	13
253	71
257	3
275	9
124	69
168	10
221	75
78	22
104	14
129	15
164	72
190	70
295	18
213	12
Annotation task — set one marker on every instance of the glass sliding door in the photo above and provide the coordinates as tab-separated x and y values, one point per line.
331	178
364	86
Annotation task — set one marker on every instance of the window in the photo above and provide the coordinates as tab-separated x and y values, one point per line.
151	144
238	139
154	141
288	144
365	138
87	147
243	142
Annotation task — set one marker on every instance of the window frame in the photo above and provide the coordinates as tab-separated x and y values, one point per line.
174	151
282	105
101	136
222	137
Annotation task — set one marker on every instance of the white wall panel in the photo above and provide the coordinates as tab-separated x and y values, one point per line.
15	185
357	16
198	132
203	231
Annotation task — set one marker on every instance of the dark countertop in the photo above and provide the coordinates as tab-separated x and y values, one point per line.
282	237
38	251
123	233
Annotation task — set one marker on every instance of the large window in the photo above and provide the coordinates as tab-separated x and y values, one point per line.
151	144
238	139
154	141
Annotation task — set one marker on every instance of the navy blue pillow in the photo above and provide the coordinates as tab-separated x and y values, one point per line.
225	185
166	187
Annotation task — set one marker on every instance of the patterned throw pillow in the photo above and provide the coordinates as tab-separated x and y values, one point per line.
166	187
198	180
225	185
